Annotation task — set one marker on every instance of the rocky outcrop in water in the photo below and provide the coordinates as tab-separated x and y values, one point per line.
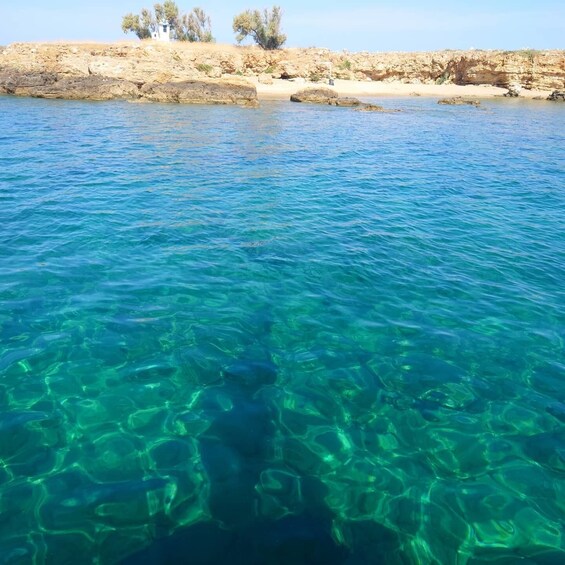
376	108
200	92
93	87
322	95
49	85
460	101
319	95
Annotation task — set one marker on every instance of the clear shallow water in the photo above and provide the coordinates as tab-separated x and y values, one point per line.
285	335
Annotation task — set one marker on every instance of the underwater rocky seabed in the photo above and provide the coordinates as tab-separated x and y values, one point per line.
284	335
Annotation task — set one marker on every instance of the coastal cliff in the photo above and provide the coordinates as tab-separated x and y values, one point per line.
155	71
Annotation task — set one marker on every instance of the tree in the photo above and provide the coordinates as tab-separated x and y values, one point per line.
195	26
167	12
142	25
264	28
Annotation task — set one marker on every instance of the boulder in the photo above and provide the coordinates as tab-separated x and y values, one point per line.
460	101
345	101
557	96
319	95
201	92
513	91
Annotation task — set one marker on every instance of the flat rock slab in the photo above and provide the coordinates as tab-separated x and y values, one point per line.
460	101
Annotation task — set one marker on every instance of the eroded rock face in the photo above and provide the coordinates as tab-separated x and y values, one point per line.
22	83
150	62
460	101
557	96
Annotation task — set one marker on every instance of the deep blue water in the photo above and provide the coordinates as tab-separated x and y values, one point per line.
294	334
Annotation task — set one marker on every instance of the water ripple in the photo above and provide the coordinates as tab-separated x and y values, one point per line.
258	336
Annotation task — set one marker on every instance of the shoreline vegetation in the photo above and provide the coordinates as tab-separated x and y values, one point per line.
133	69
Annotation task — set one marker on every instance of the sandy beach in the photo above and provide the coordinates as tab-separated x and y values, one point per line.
282	89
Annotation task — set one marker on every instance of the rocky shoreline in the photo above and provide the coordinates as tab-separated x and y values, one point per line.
224	74
51	85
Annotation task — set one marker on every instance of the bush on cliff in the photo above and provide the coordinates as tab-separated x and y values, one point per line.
195	26
264	28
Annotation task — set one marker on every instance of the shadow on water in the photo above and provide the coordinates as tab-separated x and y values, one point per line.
235	450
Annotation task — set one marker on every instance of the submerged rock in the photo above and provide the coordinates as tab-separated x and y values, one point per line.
557	96
346	101
460	101
376	108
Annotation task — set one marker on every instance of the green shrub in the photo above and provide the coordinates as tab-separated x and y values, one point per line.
203	68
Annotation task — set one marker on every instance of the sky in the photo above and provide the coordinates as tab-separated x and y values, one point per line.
355	25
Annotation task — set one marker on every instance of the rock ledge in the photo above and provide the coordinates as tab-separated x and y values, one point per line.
95	87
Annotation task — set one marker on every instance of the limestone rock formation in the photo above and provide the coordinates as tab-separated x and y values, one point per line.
557	96
23	83
46	85
142	62
460	101
93	87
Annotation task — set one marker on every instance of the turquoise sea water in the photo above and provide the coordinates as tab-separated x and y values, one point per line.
288	335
